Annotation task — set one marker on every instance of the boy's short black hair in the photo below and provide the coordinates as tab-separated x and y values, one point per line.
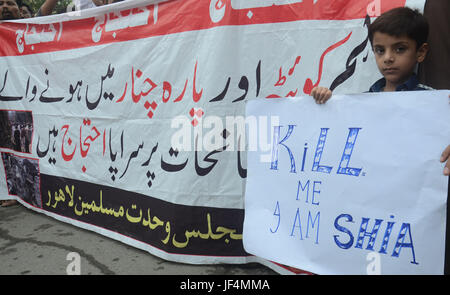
401	21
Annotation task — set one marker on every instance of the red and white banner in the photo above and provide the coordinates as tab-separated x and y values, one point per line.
115	118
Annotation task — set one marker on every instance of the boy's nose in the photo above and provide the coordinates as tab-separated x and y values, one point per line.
389	58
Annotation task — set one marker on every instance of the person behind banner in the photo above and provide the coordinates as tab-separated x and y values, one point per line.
435	70
398	38
48	6
25	10
9	9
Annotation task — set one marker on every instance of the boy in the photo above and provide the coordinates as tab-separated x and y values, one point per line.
398	38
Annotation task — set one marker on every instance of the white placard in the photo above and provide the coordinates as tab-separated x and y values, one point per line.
354	186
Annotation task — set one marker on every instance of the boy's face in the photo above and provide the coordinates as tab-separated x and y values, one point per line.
396	57
9	10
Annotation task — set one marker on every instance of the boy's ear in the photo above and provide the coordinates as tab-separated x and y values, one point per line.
422	52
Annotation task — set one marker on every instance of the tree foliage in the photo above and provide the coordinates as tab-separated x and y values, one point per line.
36	4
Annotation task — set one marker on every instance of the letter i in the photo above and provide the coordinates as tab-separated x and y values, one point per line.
304	156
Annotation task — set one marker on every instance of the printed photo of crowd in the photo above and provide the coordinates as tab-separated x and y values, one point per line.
22	178
16	130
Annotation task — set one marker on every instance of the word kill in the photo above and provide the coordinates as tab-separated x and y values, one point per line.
316	167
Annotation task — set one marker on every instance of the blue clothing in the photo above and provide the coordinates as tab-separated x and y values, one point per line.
411	85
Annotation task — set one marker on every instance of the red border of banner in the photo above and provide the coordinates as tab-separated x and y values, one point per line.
171	18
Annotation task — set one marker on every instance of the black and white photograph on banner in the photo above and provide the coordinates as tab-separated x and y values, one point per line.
22	178
16	130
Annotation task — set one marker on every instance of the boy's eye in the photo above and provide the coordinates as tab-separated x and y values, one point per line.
400	49
379	50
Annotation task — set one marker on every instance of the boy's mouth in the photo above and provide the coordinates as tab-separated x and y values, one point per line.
390	70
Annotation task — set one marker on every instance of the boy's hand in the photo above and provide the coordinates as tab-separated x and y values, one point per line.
446	157
321	94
